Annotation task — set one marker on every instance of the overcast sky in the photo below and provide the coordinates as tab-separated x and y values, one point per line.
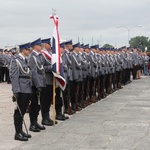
24	21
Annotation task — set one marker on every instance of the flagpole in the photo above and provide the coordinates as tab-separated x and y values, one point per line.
54	94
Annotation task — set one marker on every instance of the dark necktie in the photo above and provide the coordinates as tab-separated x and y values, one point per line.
26	61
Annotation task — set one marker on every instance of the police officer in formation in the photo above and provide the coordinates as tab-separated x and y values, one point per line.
77	77
91	73
1	65
20	75
48	89
60	109
67	66
38	85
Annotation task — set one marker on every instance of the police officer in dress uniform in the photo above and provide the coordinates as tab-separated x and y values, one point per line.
126	71
125	65
88	73
119	68
14	52
1	64
20	76
38	83
85	68
108	77
99	69
47	92
113	58
67	66
3	69
93	75
110	62
8	60
59	96
130	64
103	72
77	77
84	75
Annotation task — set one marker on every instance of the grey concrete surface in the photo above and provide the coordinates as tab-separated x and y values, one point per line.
119	122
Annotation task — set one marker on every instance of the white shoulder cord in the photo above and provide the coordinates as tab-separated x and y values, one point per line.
93	60
40	68
79	64
68	58
111	59
83	60
103	61
99	59
21	68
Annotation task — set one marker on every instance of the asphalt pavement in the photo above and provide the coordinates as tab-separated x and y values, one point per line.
121	121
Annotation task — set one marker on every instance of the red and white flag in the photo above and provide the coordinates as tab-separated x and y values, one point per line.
57	67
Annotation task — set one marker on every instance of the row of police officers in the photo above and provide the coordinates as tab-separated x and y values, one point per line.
91	73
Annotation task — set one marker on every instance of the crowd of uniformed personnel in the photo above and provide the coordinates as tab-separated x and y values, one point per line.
91	74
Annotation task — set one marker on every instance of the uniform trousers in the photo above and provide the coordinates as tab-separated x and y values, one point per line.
59	102
135	68
46	99
107	82
3	73
0	74
35	105
102	85
22	101
86	88
66	96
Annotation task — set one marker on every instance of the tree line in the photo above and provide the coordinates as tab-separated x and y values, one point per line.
141	42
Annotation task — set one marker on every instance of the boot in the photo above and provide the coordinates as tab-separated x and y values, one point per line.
33	126
24	134
59	116
19	136
39	126
46	120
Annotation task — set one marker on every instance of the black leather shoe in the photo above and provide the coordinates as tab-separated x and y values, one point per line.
47	122
66	117
40	127
74	108
79	108
106	94
73	111
69	113
52	121
20	137
120	87
34	128
25	134
60	117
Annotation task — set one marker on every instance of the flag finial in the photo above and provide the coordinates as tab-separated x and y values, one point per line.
53	11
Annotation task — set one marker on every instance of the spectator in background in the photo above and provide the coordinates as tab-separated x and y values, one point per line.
145	64
149	67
